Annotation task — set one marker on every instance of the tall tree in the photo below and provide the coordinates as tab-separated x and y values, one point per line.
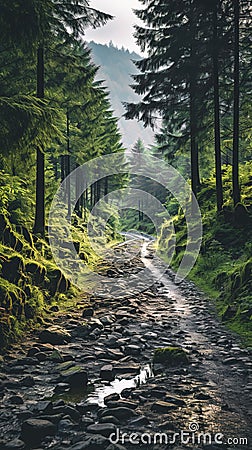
67	20
171	75
236	124
217	132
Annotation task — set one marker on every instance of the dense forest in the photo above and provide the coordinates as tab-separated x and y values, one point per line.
55	116
197	80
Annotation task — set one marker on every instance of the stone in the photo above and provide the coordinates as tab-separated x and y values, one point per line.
54	335
121	403
15	444
120	413
163	407
94	442
83	330
54	418
202	396
114	354
170	356
33	431
56	356
33	351
95	323
107	320
27	381
127	368
109	419
54	308
16	400
105	429
174	399
68	411
111	398
132	350
116	447
140	421
44	407
41	356
107	373
61	387
65	425
75	376
88	312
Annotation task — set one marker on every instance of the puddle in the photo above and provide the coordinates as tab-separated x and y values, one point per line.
95	393
73	395
118	385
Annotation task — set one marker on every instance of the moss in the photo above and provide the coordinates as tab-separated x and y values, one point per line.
30	280
224	267
170	356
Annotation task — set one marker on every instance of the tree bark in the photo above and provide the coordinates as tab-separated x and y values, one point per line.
67	167
193	132
235	173
217	136
62	168
193	113
105	187
39	224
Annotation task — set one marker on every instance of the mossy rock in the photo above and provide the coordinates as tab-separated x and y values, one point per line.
12	268
37	272
7	235
170	356
5	331
12	298
25	233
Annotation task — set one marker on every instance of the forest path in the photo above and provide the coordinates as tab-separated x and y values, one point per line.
110	344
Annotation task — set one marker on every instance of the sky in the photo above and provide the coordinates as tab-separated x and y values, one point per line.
120	29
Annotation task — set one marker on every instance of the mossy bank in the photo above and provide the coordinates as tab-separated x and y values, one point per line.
224	267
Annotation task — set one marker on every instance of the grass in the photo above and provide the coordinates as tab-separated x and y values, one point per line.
224	267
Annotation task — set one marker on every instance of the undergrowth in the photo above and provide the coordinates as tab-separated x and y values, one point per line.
224	267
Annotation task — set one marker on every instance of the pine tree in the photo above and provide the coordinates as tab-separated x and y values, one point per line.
138	146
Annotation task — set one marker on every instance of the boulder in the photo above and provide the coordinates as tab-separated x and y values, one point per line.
35	430
75	376
163	407
170	356
107	373
54	335
105	429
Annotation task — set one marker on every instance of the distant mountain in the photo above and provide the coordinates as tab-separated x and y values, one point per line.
116	66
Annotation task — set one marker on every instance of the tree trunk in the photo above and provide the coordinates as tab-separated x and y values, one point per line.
67	168
55	169
77	193
105	187
235	174
193	113
62	168
217	137
193	131
39	224
98	190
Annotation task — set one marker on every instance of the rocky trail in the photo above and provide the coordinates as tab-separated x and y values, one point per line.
87	380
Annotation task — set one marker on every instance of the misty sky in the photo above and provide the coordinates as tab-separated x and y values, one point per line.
121	28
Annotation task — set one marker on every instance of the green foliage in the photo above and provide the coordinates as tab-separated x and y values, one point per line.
224	266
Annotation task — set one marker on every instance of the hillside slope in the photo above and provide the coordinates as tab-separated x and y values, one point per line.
116	67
